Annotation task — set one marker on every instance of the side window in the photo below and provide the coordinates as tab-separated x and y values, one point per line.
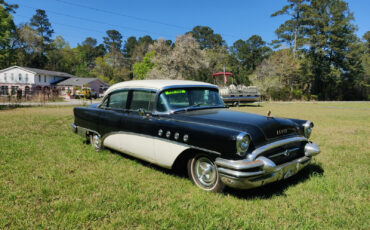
142	100
118	100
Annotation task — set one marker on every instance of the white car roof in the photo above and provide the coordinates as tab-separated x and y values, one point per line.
155	84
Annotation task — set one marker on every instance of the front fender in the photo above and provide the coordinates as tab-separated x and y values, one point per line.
300	123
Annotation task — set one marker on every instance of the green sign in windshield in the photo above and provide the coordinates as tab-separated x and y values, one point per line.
178	91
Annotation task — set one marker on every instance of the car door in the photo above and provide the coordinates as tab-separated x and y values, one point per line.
113	113
139	137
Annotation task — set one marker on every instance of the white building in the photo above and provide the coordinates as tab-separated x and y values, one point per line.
29	80
33	81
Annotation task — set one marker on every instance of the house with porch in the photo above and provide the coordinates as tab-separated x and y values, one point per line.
71	86
31	81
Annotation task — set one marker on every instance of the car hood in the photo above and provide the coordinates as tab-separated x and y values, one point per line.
258	126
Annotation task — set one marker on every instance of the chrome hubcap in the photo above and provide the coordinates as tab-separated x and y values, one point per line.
205	171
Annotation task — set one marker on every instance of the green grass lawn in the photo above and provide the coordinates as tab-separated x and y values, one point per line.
49	179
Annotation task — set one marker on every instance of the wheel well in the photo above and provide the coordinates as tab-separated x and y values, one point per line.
180	164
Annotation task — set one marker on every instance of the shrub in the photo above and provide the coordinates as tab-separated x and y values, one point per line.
314	97
297	94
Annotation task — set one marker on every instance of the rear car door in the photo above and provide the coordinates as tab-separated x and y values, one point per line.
139	137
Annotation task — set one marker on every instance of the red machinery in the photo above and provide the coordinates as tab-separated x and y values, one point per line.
222	74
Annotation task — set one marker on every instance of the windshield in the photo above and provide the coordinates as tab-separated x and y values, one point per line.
184	98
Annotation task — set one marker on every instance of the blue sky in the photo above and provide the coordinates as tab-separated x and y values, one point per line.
233	19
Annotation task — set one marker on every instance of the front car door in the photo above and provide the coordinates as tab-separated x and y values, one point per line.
137	138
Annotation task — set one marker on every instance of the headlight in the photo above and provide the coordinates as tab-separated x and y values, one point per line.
307	129
242	143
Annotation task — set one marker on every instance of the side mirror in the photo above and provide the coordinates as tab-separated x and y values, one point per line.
141	112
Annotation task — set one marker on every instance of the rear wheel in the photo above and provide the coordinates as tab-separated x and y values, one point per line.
203	172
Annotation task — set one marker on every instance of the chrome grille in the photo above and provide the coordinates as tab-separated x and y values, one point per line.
286	153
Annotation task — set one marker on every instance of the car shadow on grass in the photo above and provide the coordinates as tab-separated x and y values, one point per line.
277	188
265	192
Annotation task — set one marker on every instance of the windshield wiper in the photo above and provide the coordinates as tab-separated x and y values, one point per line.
194	105
197	105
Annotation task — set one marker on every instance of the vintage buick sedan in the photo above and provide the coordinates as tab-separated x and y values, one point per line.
185	124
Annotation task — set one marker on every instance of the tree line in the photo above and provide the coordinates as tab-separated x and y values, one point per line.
316	55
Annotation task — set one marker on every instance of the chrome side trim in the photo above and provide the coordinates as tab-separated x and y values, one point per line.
82	132
162	139
258	151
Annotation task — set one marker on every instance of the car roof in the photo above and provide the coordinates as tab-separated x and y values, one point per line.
156	84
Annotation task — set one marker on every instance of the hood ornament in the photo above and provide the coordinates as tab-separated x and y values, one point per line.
269	114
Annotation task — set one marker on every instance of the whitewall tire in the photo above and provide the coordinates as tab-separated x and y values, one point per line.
203	172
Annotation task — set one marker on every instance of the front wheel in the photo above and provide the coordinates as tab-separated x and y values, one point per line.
203	172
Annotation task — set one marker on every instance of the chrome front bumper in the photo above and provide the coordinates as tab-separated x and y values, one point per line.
246	173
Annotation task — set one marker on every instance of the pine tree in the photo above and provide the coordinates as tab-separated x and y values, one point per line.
40	22
7	31
292	30
332	48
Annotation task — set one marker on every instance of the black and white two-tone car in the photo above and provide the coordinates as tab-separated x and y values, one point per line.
185	124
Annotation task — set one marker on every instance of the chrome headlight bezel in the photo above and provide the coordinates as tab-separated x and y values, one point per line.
307	127
243	141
